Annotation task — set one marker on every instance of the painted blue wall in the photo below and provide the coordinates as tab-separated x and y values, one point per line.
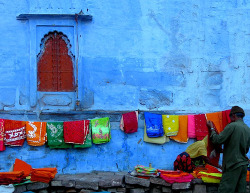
179	57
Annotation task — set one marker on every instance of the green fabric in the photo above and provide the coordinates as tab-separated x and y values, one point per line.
233	180
100	130
55	135
87	142
157	140
236	140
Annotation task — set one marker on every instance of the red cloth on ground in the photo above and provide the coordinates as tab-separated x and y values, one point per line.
175	176
130	122
225	118
214	160
20	165
43	174
15	133
11	177
75	131
2	147
201	129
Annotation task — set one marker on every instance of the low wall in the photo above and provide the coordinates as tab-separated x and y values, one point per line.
115	183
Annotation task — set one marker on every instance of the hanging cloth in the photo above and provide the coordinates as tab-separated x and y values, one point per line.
182	135
225	118
213	151
100	130
129	122
191	127
76	131
198	148
87	142
55	135
217	120
170	124
14	132
157	140
36	133
154	127
2	146
201	129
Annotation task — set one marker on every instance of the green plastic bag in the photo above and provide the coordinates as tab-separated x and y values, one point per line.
100	130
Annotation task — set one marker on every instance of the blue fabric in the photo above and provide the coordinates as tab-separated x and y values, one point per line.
154	126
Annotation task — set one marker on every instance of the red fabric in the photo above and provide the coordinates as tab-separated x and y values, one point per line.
175	176
2	147
20	165
11	177
225	118
201	129
210	147
75	131
43	174
130	122
14	132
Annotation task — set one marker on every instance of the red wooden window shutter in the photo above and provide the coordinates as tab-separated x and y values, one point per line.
55	64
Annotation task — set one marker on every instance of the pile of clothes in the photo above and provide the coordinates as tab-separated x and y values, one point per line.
23	172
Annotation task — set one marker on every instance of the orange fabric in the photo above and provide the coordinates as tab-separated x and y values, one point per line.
247	176
20	165
182	135
216	118
36	133
11	175
43	174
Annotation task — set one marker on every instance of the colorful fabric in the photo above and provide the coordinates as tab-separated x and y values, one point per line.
213	150
170	124
175	176
182	135
157	140
36	133
225	118
43	174
76	131
198	148
55	135
2	147
145	170
210	177
129	122
191	127
201	129
87	142
183	163
11	177
14	132
20	165
217	120
100	130
154	127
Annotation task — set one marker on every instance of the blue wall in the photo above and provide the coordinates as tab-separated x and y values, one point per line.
177	57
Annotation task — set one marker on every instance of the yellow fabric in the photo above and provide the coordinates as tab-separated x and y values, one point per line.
210	177
157	140
198	148
170	124
182	135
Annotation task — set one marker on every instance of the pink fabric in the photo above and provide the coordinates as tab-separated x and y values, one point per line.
2	146
191	127
177	178
201	129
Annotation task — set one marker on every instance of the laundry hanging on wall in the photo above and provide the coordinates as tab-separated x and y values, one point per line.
154	127
129	122
36	133
170	124
15	133
101	130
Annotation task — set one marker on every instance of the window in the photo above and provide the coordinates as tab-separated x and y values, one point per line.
55	72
